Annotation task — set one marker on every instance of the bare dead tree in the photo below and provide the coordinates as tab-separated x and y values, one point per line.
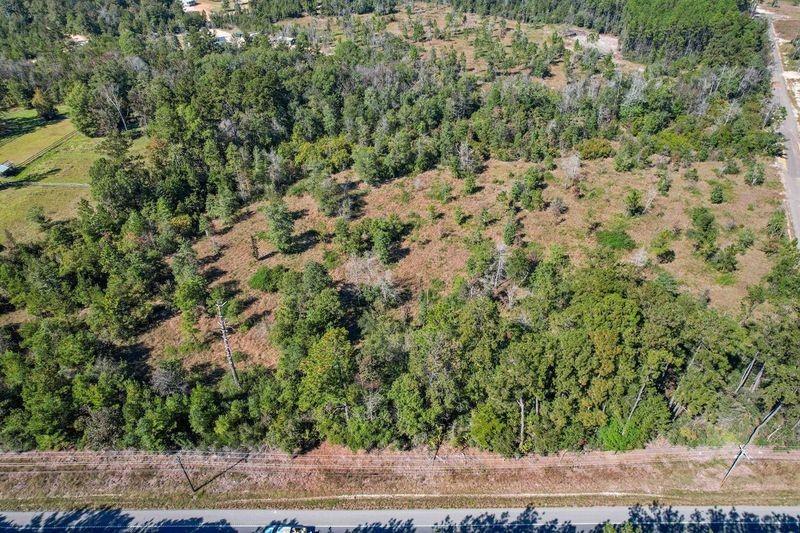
769	437
757	382
652	193
572	170
500	266
639	258
635	405
521	403
110	93
223	327
745	375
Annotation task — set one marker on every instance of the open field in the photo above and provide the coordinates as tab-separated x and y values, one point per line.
56	181
331	477
21	147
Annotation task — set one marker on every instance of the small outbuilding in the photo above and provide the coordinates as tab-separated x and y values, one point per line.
6	168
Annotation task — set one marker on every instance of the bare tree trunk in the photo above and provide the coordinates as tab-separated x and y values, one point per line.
769	437
744	376
757	382
254	247
521	421
635	405
228	353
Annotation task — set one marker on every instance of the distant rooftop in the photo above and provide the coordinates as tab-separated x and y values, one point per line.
79	39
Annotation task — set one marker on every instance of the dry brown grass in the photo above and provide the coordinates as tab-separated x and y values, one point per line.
332	477
438	249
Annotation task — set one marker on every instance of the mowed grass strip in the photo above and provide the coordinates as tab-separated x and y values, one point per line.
24	146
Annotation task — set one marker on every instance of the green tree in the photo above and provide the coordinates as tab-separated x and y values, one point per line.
43	105
280	225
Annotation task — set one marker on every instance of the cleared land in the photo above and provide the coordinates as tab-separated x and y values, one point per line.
56	181
437	249
332	477
460	35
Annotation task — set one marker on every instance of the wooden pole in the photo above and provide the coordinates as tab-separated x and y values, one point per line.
223	327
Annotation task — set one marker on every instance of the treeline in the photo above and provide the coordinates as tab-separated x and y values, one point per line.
714	31
601	15
591	357
719	31
266	11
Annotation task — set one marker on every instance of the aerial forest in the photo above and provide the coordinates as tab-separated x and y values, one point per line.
528	349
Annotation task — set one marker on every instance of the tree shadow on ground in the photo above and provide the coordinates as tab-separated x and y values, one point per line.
654	518
29	179
305	241
11	127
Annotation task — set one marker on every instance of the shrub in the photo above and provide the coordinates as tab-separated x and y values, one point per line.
662	248
692	175
470	184
746	238
717	194
731	167
633	203
520	266
616	239
725	259
596	149
664	184
460	216
510	231
755	174
268	279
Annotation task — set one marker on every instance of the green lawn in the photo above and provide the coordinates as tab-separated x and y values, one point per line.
55	182
24	134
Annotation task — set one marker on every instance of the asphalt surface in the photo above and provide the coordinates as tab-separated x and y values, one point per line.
790	130
563	519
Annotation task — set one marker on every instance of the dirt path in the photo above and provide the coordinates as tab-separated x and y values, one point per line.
789	128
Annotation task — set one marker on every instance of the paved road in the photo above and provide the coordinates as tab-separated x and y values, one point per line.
790	131
552	519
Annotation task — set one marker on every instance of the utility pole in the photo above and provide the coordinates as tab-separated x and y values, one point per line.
223	327
743	448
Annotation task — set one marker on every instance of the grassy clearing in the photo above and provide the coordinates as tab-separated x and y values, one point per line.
55	182
32	136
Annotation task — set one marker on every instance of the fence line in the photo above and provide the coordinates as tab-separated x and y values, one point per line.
47	149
